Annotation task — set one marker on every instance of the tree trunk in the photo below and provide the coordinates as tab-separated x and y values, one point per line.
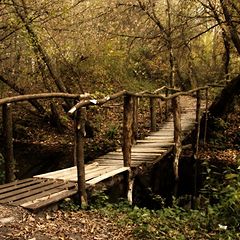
224	104
8	143
226	56
231	25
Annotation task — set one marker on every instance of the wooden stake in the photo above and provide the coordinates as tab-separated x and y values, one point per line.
160	109
80	119
197	126
127	129
177	138
135	119
206	118
166	104
8	146
130	187
196	147
153	115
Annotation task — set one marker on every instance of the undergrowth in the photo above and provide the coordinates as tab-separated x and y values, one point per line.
218	217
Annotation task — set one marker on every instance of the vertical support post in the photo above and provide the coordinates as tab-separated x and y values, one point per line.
80	119
153	114
8	146
135	119
196	146
160	109
197	126
127	129
166	104
206	117
128	117
177	139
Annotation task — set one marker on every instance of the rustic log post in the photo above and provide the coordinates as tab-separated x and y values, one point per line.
127	129
80	119
166	104
177	139
135	119
160	109
206	117
128	116
197	124
196	146
8	143
153	114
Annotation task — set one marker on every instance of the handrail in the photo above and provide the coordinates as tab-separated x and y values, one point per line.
108	98
27	97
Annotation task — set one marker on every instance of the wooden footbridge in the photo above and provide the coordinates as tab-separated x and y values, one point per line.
45	189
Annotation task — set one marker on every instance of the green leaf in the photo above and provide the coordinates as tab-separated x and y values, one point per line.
231	176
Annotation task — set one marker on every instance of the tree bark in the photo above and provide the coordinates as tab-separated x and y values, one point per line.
80	119
177	139
8	143
127	130
224	103
231	25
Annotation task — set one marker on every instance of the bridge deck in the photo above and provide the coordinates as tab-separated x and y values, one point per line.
44	189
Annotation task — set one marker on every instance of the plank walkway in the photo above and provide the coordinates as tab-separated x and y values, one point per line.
45	189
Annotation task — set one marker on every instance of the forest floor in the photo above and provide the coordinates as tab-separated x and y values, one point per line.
17	223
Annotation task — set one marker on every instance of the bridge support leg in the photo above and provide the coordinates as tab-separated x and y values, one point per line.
130	182
127	130
8	146
153	114
80	119
135	119
206	118
177	139
196	147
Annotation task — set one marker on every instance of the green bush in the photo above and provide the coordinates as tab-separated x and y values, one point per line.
219	220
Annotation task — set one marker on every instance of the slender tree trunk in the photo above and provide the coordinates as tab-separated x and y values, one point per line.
8	143
231	25
37	47
226	56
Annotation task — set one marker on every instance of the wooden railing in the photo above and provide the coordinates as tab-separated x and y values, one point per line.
130	109
7	125
130	124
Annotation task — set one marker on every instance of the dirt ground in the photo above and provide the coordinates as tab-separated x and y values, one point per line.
17	224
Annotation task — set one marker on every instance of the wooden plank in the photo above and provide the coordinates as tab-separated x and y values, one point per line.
37	184
54	188
112	163
44	187
93	172
62	171
121	157
20	186
100	173
158	143
147	150
58	175
45	201
132	154
107	175
159	137
17	182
